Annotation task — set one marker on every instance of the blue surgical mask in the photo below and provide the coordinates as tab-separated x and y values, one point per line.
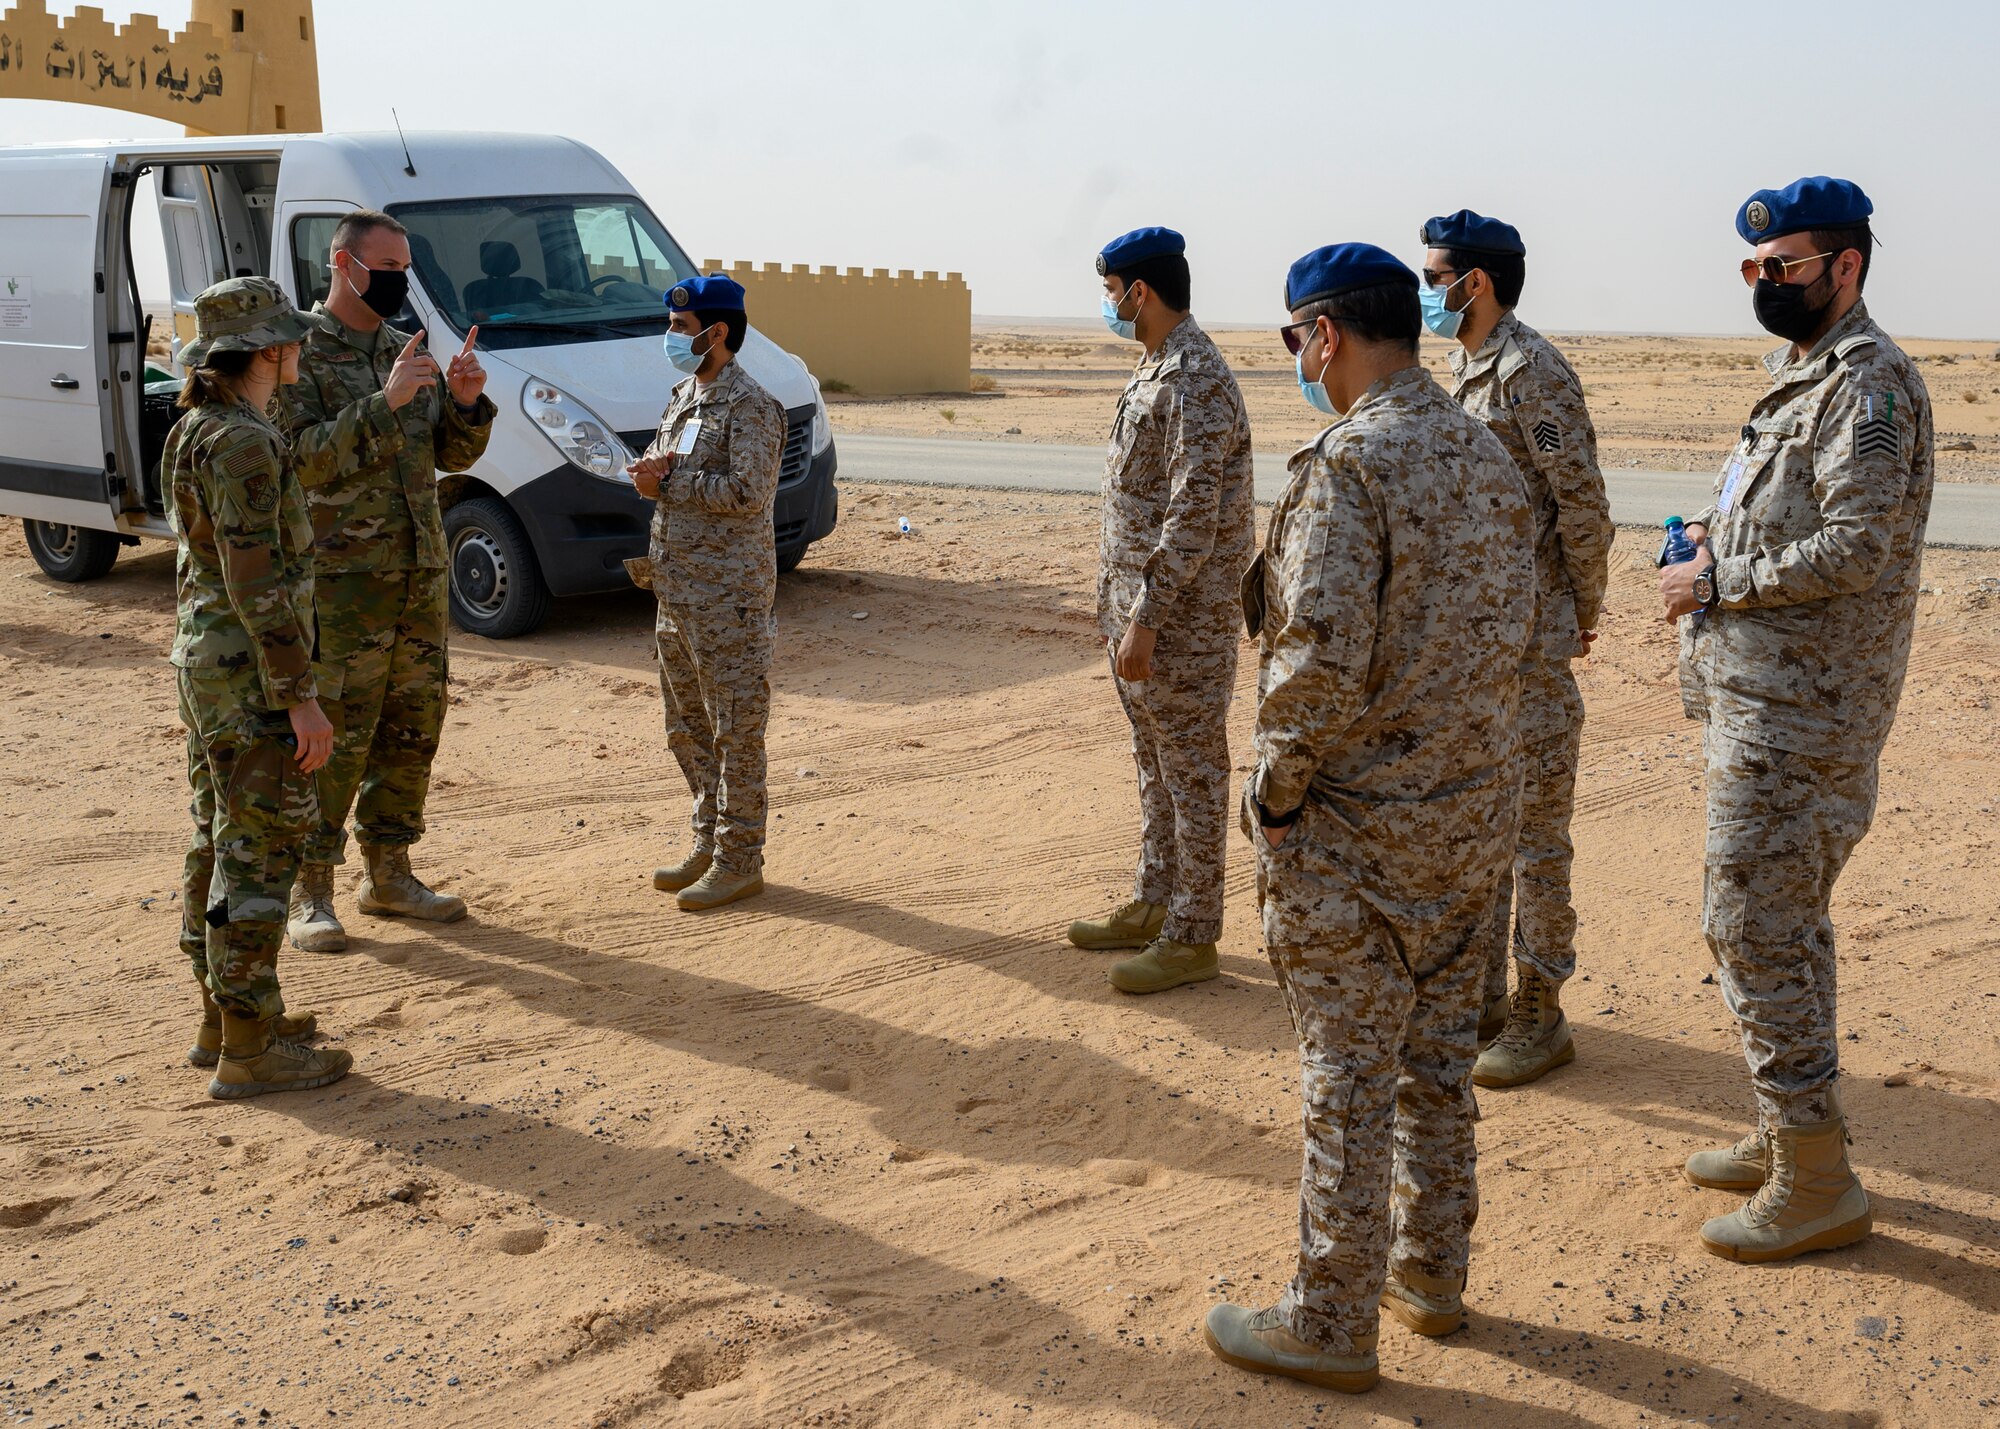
1129	330
679	348
1314	392
1437	317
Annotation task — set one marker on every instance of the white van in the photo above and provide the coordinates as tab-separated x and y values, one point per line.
535	238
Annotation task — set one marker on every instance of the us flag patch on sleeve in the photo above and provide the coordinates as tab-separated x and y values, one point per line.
1875	427
1548	436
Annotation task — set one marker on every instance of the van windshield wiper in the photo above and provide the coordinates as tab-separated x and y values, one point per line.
545	325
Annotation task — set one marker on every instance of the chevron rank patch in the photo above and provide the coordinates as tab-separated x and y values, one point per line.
1548	436
1875	427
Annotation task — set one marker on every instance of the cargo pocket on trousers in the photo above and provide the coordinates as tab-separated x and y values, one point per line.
1760	872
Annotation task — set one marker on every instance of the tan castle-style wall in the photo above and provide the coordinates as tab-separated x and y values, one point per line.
251	67
875	331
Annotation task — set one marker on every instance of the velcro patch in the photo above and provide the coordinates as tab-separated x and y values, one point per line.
260	490
1874	436
1548	436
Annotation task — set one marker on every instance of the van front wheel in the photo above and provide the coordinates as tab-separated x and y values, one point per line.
497	588
70	553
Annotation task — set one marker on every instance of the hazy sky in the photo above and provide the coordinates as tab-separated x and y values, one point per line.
1009	142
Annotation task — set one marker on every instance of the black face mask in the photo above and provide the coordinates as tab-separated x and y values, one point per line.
1786	309
387	287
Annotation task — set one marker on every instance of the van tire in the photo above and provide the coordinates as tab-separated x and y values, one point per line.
496	583
70	553
789	561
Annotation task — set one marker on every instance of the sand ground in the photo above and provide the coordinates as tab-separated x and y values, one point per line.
879	1149
1659	403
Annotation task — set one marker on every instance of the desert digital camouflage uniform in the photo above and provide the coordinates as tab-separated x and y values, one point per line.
1528	396
1394	600
715	572
1818	533
1179	525
244	647
380	558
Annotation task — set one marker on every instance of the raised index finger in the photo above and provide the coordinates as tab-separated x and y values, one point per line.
410	348
470	338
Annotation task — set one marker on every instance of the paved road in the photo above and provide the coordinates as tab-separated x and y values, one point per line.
1961	515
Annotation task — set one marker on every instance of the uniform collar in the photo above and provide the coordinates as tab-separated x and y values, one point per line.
340	332
1471	364
1813	365
1404	382
721	389
1180	339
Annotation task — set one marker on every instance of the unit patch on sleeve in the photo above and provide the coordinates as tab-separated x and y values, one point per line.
1875	426
1548	436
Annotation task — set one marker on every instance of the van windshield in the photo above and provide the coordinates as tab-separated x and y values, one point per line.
545	267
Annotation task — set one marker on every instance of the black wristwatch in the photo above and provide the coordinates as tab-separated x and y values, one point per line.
1704	589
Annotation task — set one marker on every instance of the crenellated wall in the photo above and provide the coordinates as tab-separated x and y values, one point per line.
877	331
251	67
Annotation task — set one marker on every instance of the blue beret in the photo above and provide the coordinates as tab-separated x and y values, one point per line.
1804	203
711	293
1340	268
1137	246
1466	229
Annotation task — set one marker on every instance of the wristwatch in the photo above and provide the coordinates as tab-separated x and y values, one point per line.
1704	589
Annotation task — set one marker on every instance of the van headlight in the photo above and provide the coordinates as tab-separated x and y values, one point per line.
822	433
585	440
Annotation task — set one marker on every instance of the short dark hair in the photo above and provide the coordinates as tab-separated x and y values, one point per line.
735	321
1860	237
355	226
1506	270
1166	275
1383	312
210	381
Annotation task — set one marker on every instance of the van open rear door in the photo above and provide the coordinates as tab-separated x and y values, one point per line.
55	362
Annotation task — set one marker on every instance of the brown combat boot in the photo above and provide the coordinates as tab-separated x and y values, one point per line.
1741	1167
1536	1040
208	1037
389	888
1425	1303
1811	1200
1165	964
311	923
255	1062
1261	1342
1133	926
1493	1018
717	887
684	874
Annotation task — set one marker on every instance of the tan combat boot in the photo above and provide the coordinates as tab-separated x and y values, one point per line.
1261	1342
1741	1167
1536	1040
208	1037
311	924
254	1061
1165	964
1133	926
1425	1303
1810	1201
717	887
683	874
389	888
1493	1018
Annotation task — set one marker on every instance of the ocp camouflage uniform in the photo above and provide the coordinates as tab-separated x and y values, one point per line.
1395	598
1818	533
1179	525
1528	396
715	572
372	479
243	648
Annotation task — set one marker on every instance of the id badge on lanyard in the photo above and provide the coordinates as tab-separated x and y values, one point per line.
1732	477
690	434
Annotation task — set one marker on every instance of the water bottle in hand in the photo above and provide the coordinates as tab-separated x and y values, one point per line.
1678	546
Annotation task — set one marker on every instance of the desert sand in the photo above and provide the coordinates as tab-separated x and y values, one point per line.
879	1148
1659	403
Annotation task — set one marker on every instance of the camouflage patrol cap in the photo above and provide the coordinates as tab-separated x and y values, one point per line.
243	315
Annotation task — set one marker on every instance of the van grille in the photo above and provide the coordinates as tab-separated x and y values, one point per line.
792	466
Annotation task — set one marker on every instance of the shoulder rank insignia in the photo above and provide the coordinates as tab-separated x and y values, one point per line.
1548	436
1875	427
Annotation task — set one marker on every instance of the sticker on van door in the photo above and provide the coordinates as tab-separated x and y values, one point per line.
17	304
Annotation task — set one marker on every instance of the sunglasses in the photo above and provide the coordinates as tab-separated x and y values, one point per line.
1297	335
1773	269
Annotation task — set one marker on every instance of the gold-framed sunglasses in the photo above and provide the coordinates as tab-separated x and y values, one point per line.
1774	269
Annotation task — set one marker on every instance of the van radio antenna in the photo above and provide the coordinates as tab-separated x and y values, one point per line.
409	166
